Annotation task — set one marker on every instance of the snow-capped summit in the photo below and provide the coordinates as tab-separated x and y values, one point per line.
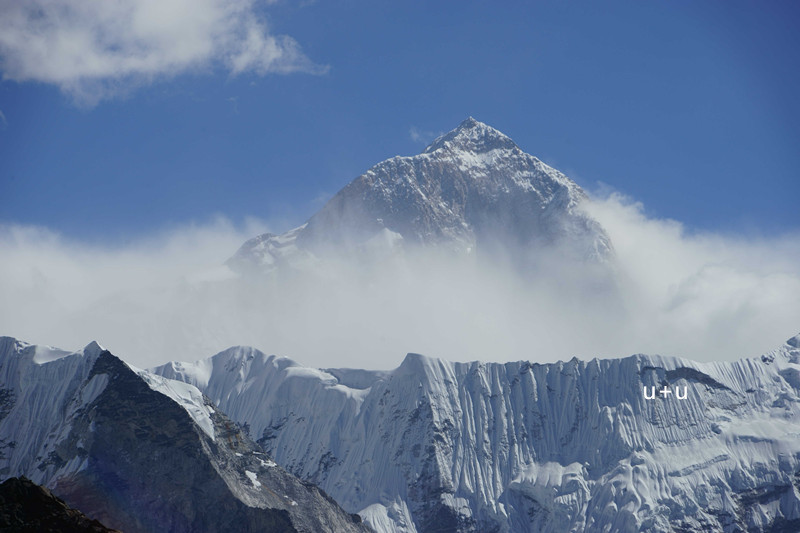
473	190
472	136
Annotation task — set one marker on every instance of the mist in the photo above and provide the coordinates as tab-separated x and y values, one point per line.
170	297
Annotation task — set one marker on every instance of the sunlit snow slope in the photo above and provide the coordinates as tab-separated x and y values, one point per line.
568	446
143	453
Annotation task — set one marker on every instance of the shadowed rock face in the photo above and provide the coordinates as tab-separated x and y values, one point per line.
143	454
150	468
472	191
570	446
28	508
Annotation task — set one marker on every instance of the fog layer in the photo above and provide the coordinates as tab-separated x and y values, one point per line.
170	297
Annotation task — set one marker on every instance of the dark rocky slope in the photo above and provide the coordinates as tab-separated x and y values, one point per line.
25	507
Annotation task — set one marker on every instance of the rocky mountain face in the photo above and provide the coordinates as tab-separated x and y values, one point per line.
142	453
28	508
644	443
472	191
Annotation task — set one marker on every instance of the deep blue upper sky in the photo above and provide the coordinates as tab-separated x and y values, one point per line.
689	107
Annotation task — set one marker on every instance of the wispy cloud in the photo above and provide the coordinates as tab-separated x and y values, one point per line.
3	120
320	199
422	136
96	49
234	100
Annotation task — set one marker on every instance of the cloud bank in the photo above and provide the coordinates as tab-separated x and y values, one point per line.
704	296
94	49
168	297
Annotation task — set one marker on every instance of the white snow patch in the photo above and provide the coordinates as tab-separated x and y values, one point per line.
762	428
185	395
253	478
354	394
198	373
357	395
46	354
394	518
548	474
459	505
309	373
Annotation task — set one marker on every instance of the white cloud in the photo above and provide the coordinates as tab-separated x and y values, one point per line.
703	295
62	292
706	297
421	136
3	120
94	49
234	100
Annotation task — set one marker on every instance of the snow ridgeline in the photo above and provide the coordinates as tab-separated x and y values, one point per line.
142	452
568	446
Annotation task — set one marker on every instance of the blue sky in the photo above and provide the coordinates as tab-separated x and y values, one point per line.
689	107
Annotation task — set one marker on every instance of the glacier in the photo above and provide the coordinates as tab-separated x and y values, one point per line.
569	446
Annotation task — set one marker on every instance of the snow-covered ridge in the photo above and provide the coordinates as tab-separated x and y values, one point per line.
40	388
44	387
116	442
533	447
245	378
45	382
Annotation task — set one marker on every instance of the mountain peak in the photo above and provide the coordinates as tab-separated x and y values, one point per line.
472	188
472	136
93	348
794	342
